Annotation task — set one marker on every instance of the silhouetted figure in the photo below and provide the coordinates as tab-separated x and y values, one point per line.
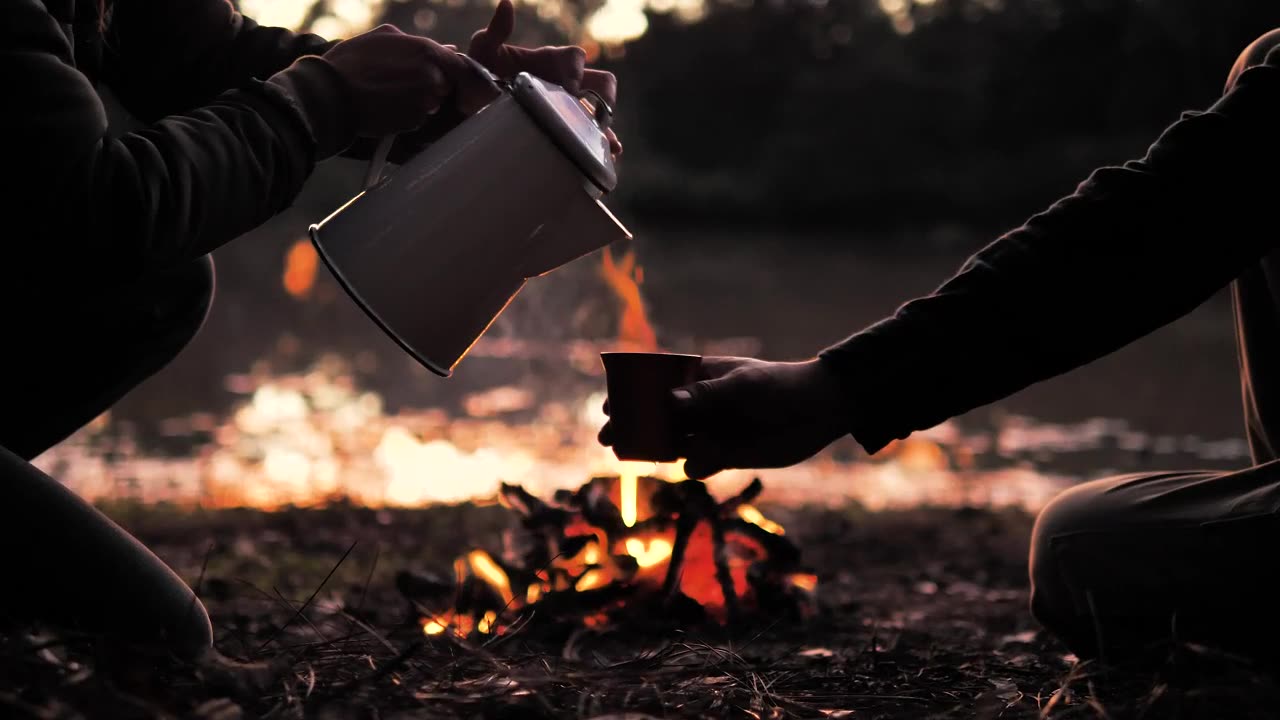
1118	566
105	274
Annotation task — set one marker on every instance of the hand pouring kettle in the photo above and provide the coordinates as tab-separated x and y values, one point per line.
436	250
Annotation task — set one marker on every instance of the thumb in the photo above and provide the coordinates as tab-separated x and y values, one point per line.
701	404
486	44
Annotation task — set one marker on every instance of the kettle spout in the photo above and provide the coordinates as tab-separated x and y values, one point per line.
586	226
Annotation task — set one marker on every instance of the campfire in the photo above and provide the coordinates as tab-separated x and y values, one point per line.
623	549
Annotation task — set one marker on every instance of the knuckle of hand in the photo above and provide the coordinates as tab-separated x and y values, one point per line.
479	45
702	387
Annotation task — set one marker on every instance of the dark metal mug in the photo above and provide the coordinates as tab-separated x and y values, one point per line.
640	404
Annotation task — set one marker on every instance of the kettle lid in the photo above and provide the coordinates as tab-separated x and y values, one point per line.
575	124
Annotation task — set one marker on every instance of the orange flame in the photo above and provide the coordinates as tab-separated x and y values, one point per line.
804	581
459	624
647	555
698	578
625	277
300	265
755	517
627	506
485	567
656	550
592	579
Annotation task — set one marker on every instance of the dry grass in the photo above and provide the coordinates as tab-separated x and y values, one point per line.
923	616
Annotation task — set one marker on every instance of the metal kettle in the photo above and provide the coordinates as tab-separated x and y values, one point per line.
434	251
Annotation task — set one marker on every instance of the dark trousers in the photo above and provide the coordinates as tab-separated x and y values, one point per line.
65	562
1123	567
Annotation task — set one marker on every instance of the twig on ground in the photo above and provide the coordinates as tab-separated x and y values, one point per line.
307	604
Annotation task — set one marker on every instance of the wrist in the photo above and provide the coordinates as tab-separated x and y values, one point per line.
853	403
320	96
829	391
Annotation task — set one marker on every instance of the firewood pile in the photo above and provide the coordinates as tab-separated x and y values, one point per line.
621	550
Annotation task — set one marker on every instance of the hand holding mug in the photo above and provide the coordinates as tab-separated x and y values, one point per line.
748	413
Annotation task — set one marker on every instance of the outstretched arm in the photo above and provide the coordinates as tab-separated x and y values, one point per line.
166	57
1134	248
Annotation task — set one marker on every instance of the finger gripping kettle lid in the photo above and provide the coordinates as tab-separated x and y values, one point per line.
575	124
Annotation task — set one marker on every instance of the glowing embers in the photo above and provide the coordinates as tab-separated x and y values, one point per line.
622	550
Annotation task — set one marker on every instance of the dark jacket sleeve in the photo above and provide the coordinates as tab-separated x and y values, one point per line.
89	204
168	56
165	57
1134	248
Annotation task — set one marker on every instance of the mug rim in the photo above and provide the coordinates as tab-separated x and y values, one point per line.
617	353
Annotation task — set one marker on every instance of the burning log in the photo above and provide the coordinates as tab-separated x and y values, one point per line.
619	547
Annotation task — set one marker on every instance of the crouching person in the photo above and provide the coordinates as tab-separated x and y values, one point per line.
107	275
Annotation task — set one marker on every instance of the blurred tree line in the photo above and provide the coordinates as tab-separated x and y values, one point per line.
829	112
884	113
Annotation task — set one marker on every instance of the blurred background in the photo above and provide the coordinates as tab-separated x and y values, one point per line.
794	171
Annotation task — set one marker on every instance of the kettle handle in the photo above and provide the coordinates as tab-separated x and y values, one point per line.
378	161
603	110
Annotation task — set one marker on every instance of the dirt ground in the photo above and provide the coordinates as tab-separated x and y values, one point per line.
923	615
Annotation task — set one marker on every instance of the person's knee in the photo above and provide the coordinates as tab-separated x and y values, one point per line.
1063	514
192	632
1078	509
1075	509
1255	54
68	545
169	309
